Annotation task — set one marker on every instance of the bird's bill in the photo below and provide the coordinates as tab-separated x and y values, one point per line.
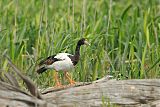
86	42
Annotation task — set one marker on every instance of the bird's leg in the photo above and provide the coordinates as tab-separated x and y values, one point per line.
56	78
69	78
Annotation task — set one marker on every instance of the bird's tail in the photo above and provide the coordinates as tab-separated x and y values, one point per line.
41	70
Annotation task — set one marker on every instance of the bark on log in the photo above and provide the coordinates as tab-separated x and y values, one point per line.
123	93
106	92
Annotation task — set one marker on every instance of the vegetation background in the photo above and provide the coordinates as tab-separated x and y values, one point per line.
124	36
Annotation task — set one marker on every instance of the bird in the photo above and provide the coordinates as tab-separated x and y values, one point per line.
62	62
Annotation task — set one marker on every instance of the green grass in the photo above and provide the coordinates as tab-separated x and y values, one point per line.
124	36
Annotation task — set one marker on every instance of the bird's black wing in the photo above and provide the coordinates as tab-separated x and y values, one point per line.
49	60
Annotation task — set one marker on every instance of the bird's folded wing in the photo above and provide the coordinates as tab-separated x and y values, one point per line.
49	60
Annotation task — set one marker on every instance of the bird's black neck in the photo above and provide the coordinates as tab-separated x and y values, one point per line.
77	51
76	56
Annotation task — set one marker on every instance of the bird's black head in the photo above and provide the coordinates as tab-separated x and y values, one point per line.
83	41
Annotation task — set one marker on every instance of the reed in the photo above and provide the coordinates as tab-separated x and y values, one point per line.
124	36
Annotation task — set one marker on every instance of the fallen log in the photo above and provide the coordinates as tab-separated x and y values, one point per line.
123	93
130	93
103	92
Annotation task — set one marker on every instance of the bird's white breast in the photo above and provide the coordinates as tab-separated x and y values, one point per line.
65	63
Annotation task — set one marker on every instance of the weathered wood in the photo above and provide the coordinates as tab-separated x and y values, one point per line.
10	96
124	93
